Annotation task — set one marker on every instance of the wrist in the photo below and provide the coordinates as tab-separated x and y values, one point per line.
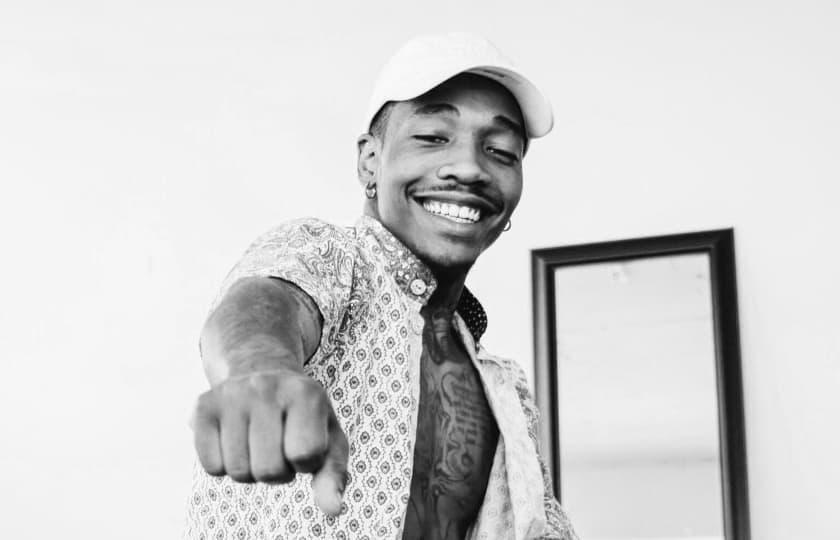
256	354
258	357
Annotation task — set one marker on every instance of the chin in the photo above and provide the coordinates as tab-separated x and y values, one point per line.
444	251
446	260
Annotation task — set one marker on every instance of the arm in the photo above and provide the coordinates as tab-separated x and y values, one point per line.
261	324
264	419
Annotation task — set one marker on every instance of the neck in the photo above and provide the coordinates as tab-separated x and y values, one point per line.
444	301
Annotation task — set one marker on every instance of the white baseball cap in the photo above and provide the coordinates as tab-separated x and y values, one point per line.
426	61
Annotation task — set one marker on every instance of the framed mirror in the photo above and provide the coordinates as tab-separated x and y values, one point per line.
638	379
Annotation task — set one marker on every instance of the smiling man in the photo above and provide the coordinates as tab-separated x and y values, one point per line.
350	396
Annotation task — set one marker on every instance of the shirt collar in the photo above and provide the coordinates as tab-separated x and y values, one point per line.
413	276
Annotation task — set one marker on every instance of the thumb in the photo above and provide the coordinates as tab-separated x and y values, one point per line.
330	481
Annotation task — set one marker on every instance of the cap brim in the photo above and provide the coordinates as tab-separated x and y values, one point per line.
536	109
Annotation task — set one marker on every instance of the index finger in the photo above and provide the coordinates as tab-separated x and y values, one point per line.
330	481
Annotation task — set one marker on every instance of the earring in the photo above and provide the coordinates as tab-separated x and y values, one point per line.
370	190
507	227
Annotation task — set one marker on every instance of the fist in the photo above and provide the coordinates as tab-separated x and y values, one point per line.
268	427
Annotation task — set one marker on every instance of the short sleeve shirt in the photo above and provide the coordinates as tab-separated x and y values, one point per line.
370	289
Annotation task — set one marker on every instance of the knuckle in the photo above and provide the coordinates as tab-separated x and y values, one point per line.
232	390
240	473
315	399
307	446
205	405
234	425
264	385
203	435
213	468
303	387
237	399
306	463
283	386
306	451
277	474
206	442
238	467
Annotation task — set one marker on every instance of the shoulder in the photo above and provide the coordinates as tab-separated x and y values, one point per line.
312	242
309	252
303	231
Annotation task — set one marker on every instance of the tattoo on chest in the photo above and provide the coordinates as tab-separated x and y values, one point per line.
456	442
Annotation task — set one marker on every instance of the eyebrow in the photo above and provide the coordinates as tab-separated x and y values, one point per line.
430	109
511	124
436	108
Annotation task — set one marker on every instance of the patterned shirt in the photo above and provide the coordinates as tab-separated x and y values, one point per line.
370	289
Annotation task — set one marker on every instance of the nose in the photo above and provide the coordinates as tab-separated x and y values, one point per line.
463	164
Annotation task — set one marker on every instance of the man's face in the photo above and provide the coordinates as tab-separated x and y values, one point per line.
449	171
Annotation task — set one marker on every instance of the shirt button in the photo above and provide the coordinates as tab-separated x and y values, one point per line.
418	287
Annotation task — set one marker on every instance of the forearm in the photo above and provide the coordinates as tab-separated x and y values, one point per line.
261	324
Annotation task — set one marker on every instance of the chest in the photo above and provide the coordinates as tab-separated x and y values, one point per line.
455	443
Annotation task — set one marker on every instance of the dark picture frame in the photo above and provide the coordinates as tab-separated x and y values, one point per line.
719	245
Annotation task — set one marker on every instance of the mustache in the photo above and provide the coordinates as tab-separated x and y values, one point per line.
491	195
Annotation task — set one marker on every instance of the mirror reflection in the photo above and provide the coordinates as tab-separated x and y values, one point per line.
637	398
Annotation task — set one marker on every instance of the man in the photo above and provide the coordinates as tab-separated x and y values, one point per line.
352	354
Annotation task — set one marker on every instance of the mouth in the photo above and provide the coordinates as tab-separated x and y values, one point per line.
459	213
457	207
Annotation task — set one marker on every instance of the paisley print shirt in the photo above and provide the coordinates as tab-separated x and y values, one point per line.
370	290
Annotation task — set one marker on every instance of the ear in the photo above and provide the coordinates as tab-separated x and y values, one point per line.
367	166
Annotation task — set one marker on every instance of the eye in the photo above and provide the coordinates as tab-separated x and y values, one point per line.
433	139
503	155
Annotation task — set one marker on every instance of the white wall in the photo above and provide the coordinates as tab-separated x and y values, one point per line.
143	145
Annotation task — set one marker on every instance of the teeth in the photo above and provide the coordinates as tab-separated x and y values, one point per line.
455	212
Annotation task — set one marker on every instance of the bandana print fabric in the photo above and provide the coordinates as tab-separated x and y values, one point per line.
370	289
